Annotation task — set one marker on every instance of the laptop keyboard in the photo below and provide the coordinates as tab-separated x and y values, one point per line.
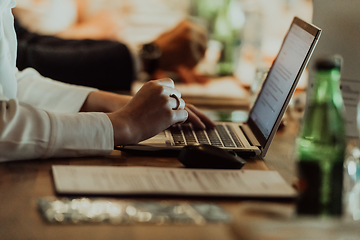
221	136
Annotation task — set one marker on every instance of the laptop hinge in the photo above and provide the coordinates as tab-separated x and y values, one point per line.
249	135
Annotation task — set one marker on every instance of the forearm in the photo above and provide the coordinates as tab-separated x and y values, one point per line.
101	101
27	132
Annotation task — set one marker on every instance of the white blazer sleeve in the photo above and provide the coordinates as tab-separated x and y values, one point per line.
30	130
50	95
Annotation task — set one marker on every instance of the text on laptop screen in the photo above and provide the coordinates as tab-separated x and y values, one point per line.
281	78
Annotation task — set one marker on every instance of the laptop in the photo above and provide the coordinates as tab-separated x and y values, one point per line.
254	136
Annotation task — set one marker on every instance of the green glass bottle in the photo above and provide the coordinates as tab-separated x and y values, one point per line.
206	10
321	144
228	33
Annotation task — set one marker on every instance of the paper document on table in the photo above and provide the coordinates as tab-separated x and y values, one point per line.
169	181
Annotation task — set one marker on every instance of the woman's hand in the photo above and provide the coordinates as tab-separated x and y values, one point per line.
149	112
198	118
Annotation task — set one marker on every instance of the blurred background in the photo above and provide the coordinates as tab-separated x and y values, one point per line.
243	35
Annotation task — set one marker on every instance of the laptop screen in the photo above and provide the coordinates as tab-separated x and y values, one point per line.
283	77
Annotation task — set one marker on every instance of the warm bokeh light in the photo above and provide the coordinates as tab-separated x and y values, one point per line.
244	36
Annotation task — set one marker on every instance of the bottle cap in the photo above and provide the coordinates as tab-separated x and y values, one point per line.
328	63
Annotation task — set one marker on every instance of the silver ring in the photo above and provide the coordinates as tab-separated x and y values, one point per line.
177	101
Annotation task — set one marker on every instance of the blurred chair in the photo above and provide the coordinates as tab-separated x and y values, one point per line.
103	64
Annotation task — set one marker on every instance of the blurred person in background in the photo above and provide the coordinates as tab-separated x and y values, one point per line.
101	41
43	118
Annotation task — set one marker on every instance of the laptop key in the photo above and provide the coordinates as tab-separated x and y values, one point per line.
189	135
224	135
214	138
234	137
201	136
177	135
185	134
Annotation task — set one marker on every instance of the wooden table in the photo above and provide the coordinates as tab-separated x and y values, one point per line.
22	183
